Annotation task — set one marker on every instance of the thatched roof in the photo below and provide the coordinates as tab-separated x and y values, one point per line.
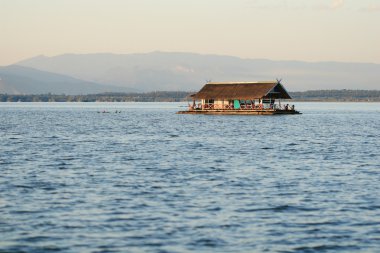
242	90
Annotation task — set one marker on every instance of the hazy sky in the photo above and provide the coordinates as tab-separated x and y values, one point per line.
310	30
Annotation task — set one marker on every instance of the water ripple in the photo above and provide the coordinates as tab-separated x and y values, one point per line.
148	180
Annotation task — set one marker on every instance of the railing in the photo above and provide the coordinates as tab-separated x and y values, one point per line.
209	106
286	107
217	106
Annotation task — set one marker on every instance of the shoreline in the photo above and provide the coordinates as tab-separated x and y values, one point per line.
184	96
185	101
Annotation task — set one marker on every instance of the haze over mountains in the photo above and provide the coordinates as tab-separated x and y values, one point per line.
16	79
93	73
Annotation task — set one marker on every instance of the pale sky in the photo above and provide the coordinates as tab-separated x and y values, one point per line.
305	30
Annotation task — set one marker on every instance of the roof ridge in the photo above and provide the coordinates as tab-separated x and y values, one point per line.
254	82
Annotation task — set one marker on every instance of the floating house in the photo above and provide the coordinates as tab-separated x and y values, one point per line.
246	98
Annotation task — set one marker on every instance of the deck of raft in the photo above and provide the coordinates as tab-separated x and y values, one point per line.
240	112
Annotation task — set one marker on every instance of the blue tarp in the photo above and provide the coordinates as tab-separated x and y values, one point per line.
236	104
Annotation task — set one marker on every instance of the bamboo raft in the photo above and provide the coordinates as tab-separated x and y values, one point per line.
241	112
241	98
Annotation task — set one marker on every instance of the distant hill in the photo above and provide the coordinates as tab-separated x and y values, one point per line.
187	71
23	80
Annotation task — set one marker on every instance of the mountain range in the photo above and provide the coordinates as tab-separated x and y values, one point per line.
15	79
92	73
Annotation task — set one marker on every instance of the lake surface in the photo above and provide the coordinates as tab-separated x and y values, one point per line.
149	180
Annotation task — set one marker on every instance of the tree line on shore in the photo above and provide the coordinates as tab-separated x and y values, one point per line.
157	96
337	95
178	96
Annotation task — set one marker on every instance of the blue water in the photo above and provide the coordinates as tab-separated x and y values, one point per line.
149	180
